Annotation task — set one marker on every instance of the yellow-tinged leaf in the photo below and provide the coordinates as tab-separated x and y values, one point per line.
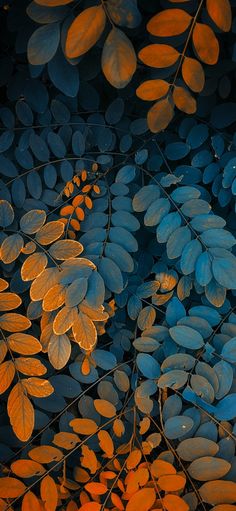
142	499
3	350
218	492
205	43
89	459
11	248
9	301
175	503
171	482
54	298
106	443
66	440
184	101
30	502
24	344
7	373
193	74
133	459
3	284
45	281
84	426
59	350
12	322
96	488
85	31
33	266
169	22
38	387
152	90
94	314
21	413
27	468
10	487
49	493
30	366
161	468
84	331
220	13
118	59
160	115
29	248
50	232
158	55
105	408
66	249
45	454
64	320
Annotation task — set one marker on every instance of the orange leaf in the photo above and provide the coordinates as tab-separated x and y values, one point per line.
78	200
50	232
59	350
193	74
67	210
30	366
12	322
66	440
27	468
162	467
84	331
45	454
49	494
160	115
133	459
45	281
218	492
80	214
116	501
169	22
90	506
75	224
84	426
38	387
88	202
3	350
152	90
33	266
159	55
118	59
54	298
106	443
64	320
66	249
9	301
118	427
220	12
205	43
11	488
29	248
21	413
171	482
96	488
175	503
143	500
89	459
184	101
24	344
29	502
7	373
85	31
104	408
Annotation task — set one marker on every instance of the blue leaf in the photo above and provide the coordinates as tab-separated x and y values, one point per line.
187	337
148	366
63	75
144	197
126	174
185	193
218	238
224	271
175	311
168	225
156	211
43	44
177	426
203	271
189	256
111	275
126	220
104	359
177	241
226	408
177	150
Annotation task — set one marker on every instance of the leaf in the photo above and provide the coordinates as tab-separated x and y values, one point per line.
184	101
186	337
21	413
12	322
27	468
54	298
38	387
91	506
177	426
43	283
158	55
124	13
53	3
64	320
96	488
143	499
106	443
32	221
66	440
220	12
33	266
169	22
85	31
59	350
218	492
50	232
208	468
24	344
9	301
161	467
133	459
10	487
11	248
84	331
6	213
43	44
160	115
45	454
118	59
174	502
84	426
65	249
148	366
105	408
111	274
7	373
193	74
224	271
49	494
152	90
205	43
30	501
194	448
171	482
30	366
